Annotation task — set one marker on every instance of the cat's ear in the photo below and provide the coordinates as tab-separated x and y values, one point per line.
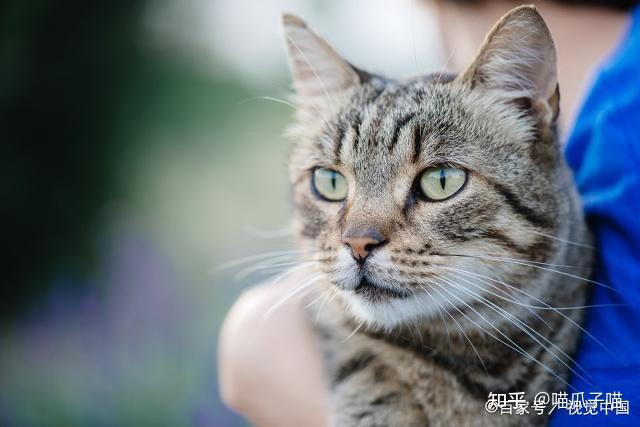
518	60
316	67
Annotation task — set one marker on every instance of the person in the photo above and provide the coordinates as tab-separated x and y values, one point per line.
271	368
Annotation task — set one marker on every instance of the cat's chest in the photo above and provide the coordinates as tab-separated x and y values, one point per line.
365	372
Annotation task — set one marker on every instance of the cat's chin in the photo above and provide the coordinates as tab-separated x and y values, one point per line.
379	310
378	294
387	309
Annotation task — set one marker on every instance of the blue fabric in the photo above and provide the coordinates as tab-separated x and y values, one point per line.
604	153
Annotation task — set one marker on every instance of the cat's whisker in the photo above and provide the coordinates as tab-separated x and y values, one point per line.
444	322
524	324
276	280
415	325
538	307
569	242
531	309
268	234
547	306
353	332
576	324
530	264
267	98
269	266
501	258
547	264
418	335
514	346
316	300
284	102
265	255
333	291
304	285
457	324
459	272
524	327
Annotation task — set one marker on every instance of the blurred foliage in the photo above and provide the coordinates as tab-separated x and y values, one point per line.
65	69
82	93
129	171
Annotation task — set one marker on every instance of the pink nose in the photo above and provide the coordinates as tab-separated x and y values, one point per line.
362	244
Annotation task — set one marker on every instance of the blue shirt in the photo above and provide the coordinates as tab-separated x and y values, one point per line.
604	152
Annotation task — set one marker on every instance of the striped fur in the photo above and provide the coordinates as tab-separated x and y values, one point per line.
466	287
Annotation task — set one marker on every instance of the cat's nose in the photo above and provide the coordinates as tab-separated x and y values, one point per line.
363	243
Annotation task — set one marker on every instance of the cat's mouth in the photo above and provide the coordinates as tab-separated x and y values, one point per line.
374	293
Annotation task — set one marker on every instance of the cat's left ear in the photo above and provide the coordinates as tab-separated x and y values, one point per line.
317	69
518	61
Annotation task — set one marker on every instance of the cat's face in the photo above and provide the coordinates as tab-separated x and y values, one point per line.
407	193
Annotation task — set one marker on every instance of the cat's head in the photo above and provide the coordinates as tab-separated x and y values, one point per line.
408	192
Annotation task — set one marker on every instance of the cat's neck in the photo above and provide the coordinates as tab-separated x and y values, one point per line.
494	353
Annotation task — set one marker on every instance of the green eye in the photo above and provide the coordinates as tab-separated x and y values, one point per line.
329	184
441	182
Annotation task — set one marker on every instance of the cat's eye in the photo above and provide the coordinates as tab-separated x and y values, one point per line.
329	184
439	183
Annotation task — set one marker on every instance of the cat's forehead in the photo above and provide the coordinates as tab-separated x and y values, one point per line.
413	95
382	129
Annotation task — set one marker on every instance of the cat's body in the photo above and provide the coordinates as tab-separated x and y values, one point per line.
424	306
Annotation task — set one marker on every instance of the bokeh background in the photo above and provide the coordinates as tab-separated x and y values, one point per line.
140	151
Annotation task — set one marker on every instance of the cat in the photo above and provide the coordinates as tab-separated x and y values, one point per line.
441	218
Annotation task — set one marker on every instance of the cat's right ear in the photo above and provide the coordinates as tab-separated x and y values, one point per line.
317	69
518	61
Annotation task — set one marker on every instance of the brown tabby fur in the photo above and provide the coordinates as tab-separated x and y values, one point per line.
464	293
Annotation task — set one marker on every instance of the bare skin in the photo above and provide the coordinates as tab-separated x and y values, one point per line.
269	362
270	366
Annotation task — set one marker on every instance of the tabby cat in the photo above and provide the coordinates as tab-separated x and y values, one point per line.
441	218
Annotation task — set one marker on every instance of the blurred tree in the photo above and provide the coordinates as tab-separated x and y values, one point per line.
64	67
